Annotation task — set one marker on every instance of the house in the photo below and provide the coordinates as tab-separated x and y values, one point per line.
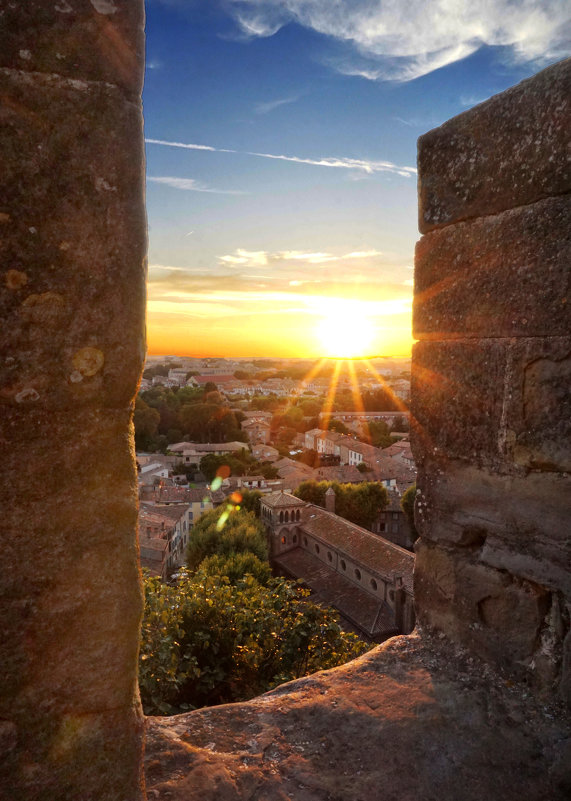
257	429
163	535
153	473
192	452
364	576
265	453
178	375
401	451
310	438
220	380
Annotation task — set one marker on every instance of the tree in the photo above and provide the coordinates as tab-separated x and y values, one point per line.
146	422
337	425
236	566
379	434
359	503
226	531
407	505
207	641
251	501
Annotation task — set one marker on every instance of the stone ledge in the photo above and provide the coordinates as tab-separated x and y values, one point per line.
416	718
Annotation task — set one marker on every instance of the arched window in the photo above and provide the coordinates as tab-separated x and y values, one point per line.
297	515
329	556
294	538
305	541
357	574
374	584
343	565
287	517
316	548
281	517
284	540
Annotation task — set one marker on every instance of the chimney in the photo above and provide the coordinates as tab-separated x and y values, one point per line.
330	500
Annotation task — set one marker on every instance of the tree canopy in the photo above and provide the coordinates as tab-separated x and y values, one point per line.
240	532
359	503
208	641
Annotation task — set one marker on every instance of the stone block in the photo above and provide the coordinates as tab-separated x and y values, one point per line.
94	40
518	523
69	591
501	403
72	243
490	612
501	276
509	151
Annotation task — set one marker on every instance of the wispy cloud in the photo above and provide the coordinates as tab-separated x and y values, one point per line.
402	41
369	167
265	108
360	165
263	258
190	185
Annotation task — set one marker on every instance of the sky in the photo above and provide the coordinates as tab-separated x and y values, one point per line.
281	160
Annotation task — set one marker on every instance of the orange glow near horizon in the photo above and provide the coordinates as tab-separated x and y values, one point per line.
309	328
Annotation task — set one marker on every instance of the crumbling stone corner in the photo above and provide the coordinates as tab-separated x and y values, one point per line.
72	271
491	380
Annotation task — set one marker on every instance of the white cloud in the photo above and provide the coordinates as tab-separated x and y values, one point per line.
257	258
369	167
181	144
251	258
265	108
360	165
394	40
190	185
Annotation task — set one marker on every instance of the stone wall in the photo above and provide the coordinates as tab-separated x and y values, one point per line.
72	245
491	375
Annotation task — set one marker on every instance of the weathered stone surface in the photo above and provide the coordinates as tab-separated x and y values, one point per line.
79	756
500	276
519	523
95	40
72	243
489	611
414	719
509	151
502	403
72	268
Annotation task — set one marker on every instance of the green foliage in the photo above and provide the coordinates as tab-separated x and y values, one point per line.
238	533
379	434
407	505
146	420
359	503
251	501
337	425
206	641
236	566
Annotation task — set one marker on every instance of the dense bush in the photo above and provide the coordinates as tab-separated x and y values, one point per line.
207	641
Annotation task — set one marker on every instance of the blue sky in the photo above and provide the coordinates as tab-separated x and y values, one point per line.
281	151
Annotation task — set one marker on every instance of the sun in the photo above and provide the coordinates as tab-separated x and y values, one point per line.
345	331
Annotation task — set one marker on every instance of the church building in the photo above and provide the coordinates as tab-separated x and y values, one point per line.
365	577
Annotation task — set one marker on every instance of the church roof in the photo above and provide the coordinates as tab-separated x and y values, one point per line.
370	550
281	499
371	615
